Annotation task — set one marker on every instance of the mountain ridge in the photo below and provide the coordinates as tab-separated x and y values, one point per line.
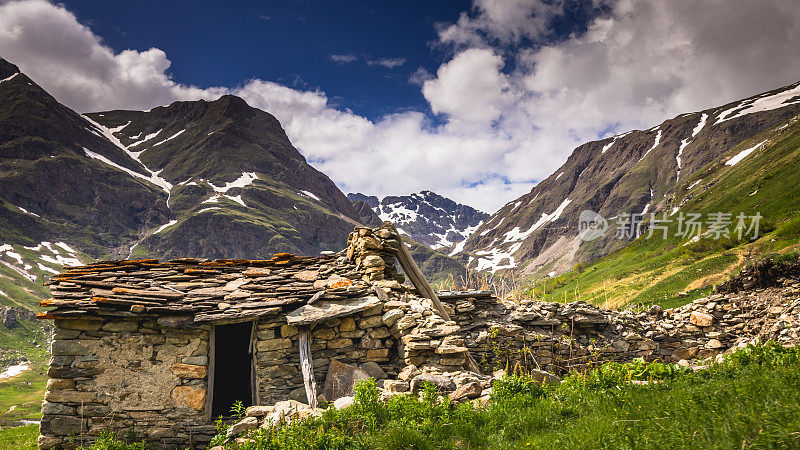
640	171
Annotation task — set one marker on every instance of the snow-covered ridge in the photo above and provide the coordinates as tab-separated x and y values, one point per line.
431	219
760	104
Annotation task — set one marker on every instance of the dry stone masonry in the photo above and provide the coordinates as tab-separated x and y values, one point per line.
134	341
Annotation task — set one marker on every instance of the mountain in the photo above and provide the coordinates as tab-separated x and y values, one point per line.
428	218
216	179
659	170
236	186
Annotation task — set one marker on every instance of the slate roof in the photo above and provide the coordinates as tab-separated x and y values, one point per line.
202	291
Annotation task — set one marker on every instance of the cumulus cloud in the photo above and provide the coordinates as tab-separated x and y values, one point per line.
470	87
509	111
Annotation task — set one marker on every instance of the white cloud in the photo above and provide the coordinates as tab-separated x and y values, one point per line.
389	63
470	87
511	114
344	58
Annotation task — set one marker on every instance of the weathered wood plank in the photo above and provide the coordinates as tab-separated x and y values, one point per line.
306	365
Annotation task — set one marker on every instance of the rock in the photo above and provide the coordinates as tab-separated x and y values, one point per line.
469	390
188	370
392	316
259	410
326	309
374	370
482	402
685	353
408	373
348	324
188	397
299	395
543	377
248	423
307	275
196	360
442	382
714	344
121	326
700	319
8	316
79	324
341	379
395	386
343	402
449	349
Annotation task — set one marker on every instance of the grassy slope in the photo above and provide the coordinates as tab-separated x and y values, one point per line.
653	270
749	401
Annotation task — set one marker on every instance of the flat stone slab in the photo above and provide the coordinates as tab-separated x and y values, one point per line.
341	379
323	310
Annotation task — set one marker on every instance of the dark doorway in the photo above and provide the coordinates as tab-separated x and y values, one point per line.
232	368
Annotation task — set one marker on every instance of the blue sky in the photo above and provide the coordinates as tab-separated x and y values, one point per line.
475	100
224	43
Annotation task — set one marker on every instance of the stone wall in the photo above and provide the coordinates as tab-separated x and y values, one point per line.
355	340
126	375
561	337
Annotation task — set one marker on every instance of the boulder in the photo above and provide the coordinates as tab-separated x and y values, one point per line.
469	390
341	379
374	370
543	377
408	373
443	383
343	402
395	386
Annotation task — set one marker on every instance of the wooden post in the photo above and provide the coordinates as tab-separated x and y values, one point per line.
254	397
418	280
306	365
210	373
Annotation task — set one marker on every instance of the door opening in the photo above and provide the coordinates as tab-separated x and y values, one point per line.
232	367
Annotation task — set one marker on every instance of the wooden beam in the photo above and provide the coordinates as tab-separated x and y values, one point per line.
418	280
306	365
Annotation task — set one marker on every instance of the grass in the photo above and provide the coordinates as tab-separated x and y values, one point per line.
750	401
21	396
19	438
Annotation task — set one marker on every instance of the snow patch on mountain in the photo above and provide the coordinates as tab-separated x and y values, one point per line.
9	78
760	104
165	226
246	179
169	138
744	153
655	144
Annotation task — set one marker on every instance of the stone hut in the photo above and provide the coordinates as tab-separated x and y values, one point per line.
160	349
163	348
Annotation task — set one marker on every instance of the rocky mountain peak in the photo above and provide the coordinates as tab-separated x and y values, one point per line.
426	217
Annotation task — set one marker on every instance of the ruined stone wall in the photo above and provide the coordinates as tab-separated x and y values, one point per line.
358	339
126	376
560	337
